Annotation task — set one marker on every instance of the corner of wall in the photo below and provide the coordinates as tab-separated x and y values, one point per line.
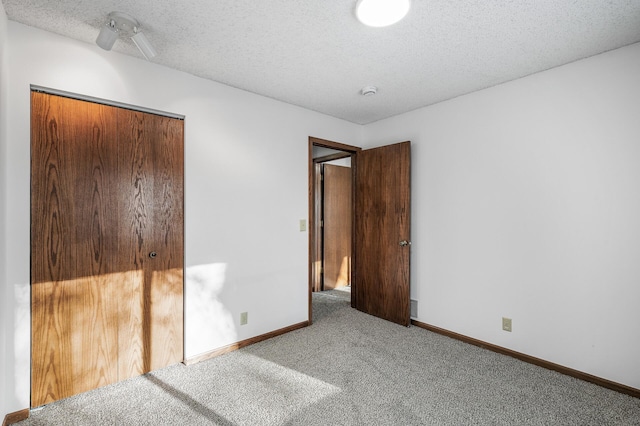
5	296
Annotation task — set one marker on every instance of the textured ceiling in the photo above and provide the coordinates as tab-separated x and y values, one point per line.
315	54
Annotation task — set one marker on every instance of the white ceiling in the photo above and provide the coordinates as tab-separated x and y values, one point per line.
315	54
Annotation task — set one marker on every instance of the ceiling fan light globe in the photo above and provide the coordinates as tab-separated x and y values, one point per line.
107	37
142	43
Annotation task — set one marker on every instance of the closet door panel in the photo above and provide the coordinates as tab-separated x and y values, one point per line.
151	158
74	327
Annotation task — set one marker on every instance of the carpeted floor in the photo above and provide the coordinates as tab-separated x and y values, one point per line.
349	368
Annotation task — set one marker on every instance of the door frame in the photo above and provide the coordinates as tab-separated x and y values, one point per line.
312	228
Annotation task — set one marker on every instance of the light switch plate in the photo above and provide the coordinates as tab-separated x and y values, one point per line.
506	324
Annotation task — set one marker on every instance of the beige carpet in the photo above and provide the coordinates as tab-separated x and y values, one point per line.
349	368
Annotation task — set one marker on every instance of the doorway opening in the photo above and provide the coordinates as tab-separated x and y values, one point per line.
380	217
331	195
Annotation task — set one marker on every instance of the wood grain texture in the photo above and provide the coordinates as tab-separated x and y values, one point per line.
315	227
16	417
135	206
107	184
94	322
383	213
72	330
152	161
168	191
166	294
337	210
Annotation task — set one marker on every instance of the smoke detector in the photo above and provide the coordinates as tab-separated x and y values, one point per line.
369	90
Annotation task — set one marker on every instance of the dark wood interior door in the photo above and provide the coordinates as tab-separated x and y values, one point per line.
382	232
106	191
337	211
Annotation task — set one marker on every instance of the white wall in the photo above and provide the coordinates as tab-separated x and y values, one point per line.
526	199
5	294
526	204
246	190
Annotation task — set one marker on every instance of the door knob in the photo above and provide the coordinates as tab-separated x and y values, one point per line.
404	243
153	254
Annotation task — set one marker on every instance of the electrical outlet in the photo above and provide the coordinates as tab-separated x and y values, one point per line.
506	324
303	225
244	318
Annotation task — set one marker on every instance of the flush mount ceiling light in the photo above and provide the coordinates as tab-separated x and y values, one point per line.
118	24
381	13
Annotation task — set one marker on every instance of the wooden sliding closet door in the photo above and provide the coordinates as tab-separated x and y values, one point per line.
106	245
151	241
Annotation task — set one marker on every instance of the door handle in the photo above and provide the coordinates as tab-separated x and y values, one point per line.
153	254
404	243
